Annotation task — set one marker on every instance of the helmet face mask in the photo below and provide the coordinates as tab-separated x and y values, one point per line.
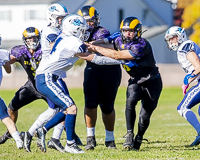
131	24
172	32
31	37
54	12
91	16
75	25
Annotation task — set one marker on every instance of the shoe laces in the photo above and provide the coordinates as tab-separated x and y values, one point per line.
57	142
75	147
90	140
129	137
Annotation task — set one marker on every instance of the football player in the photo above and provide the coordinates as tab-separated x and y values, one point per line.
188	54
29	56
145	83
101	83
5	118
54	14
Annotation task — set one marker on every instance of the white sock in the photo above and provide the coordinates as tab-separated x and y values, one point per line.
42	119
109	136
90	131
57	132
16	136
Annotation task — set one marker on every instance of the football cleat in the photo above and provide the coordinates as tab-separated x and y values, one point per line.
27	141
128	144
73	148
137	143
196	141
78	140
91	143
41	140
22	135
55	144
5	137
110	145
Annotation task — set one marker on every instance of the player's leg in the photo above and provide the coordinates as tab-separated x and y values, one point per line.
91	96
54	92
23	96
151	94
54	142
27	95
10	124
133	95
190	100
110	81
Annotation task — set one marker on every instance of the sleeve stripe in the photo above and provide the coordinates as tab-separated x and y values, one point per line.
82	48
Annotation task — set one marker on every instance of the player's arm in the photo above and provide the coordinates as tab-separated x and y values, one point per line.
194	59
7	67
106	42
13	59
119	55
99	60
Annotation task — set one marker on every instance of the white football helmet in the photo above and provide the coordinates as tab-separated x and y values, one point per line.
74	25
175	31
53	12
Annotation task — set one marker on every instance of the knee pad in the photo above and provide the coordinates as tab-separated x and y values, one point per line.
144	120
3	110
183	111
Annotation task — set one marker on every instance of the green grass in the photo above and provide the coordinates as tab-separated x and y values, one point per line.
169	134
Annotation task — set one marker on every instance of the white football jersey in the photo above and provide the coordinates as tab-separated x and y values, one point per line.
49	35
62	56
182	52
4	57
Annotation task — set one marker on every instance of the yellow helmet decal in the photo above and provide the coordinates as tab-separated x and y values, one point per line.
36	32
134	23
25	33
80	13
121	25
91	11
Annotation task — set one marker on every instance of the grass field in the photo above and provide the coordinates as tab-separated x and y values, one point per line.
169	135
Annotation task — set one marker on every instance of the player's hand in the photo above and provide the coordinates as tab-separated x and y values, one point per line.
184	88
90	47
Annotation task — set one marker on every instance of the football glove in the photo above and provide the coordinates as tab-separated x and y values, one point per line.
112	37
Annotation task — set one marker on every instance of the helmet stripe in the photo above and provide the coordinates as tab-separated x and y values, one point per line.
80	13
134	23
36	32
91	11
25	33
66	11
122	24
